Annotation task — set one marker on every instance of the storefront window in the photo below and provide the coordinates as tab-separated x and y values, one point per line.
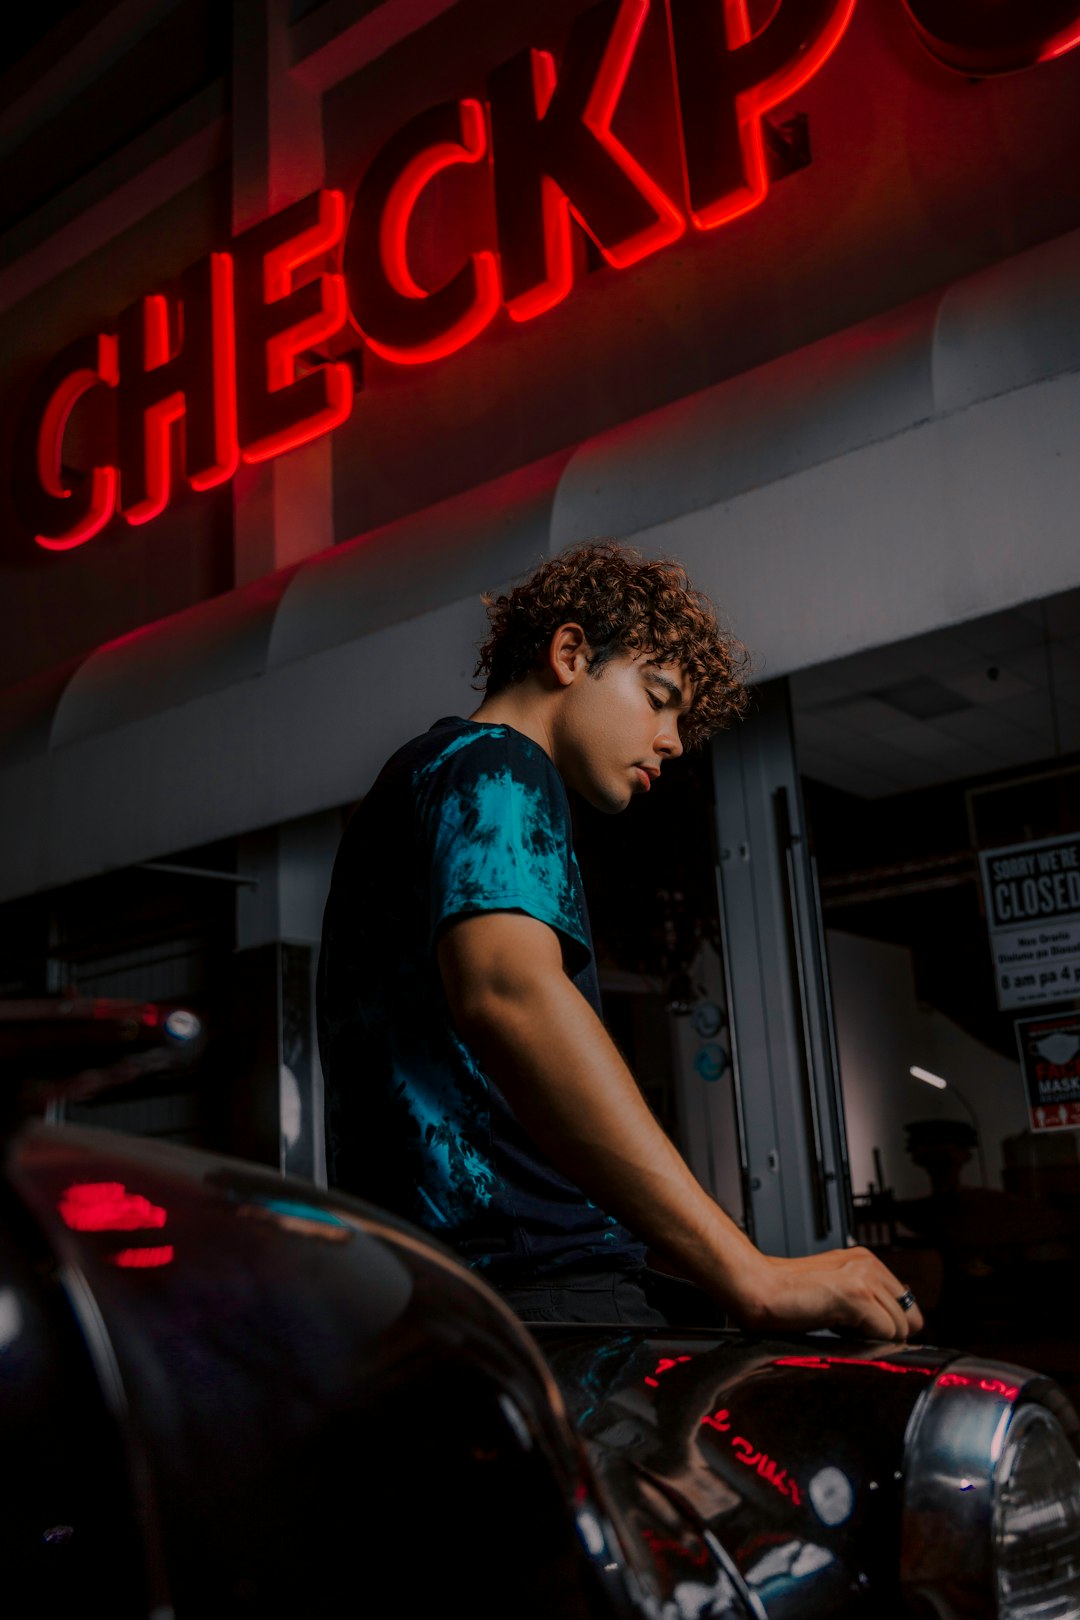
941	780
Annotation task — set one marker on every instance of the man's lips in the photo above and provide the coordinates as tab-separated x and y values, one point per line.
645	777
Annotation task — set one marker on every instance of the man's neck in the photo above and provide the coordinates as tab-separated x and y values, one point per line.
524	709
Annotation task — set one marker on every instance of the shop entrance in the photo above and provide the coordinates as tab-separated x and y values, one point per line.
921	763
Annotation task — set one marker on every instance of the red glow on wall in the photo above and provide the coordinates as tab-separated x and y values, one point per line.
50	445
1005	37
144	1259
1066	41
107	1206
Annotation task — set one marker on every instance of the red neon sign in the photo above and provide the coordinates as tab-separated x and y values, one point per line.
556	155
177	361
397	318
728	80
231	354
59	507
277	322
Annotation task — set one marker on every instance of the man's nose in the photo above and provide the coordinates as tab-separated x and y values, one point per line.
668	741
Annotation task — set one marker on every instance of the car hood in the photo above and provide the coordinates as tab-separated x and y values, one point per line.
772	1469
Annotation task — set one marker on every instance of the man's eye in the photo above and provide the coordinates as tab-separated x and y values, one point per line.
656	702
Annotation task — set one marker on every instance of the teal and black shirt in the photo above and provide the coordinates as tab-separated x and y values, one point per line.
467	818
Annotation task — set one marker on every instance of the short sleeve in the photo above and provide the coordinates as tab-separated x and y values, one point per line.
494	825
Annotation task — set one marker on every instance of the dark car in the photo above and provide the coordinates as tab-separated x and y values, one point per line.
229	1393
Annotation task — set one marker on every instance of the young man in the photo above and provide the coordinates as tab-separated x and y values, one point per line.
471	1085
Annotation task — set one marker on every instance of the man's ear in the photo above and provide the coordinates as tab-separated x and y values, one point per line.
567	654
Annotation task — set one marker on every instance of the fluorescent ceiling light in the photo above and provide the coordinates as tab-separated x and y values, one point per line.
931	1079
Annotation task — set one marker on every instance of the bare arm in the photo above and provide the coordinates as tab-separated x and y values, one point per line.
544	1046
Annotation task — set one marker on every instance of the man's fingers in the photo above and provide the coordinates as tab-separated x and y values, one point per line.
846	1289
908	1321
882	1292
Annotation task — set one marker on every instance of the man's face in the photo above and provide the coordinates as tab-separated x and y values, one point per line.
618	727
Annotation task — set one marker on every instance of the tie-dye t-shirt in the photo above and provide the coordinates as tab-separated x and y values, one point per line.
467	818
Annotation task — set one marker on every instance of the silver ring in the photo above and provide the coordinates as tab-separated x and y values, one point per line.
906	1300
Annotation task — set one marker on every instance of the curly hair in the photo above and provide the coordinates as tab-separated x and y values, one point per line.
625	603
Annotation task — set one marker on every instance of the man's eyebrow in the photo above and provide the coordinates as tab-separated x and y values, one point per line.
671	687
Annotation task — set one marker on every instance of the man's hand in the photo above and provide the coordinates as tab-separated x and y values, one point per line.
846	1289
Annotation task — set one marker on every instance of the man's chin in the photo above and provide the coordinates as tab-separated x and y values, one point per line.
608	804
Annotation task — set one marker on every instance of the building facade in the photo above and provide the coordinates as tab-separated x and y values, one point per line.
321	319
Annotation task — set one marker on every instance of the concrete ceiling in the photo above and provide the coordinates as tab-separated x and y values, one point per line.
985	696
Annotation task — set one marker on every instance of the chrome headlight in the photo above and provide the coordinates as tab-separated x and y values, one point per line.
1037	1521
991	1522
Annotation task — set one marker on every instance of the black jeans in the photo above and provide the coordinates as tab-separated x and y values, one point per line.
626	1298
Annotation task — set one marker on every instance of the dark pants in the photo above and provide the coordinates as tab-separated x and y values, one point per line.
630	1299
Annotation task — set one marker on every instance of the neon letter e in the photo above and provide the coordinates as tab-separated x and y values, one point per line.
278	405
